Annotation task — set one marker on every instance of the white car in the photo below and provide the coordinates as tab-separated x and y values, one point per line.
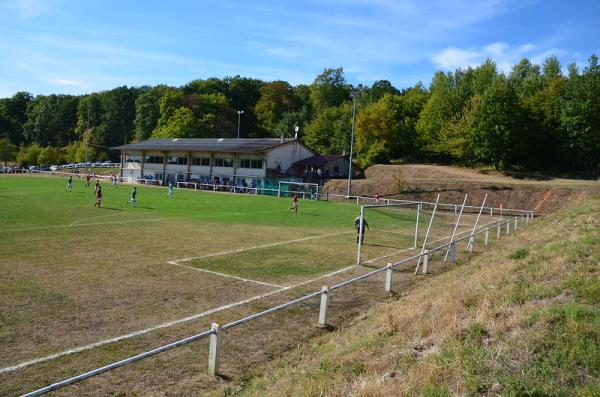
54	168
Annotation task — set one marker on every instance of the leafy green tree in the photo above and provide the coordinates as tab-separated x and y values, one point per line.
8	151
118	115
51	119
329	89
289	121
48	155
276	99
183	124
147	112
330	130
29	155
13	115
495	126
580	117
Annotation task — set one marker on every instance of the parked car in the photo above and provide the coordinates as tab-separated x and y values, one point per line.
53	168
97	164
106	164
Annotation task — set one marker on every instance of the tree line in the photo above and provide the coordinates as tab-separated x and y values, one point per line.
532	118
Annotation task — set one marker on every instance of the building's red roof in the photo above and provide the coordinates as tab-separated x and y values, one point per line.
318	160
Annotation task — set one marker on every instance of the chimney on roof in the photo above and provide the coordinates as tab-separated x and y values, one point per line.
282	138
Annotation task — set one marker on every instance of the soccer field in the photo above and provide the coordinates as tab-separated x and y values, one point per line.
72	275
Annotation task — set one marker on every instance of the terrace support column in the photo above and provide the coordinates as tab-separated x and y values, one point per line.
166	159
142	163
214	351
189	164
210	168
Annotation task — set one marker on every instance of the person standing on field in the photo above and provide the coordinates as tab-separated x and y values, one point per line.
69	183
294	206
170	190
98	202
365	224
87	180
132	201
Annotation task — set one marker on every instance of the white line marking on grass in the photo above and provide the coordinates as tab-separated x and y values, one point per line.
189	318
87	219
259	247
83	224
227	275
138	333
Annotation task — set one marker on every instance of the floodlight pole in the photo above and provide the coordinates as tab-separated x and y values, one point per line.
87	131
239	112
351	147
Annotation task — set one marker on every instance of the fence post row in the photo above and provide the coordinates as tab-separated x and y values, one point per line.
323	308
388	278
214	350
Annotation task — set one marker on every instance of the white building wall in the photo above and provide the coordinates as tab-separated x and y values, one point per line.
282	157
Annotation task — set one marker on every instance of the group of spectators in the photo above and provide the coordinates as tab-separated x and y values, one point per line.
317	175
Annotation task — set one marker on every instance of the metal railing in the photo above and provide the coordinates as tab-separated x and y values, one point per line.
216	329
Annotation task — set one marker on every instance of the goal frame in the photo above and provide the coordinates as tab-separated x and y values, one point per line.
315	185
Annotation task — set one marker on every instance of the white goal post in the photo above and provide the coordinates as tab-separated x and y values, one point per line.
302	189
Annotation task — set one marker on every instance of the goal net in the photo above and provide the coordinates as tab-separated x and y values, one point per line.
301	189
388	232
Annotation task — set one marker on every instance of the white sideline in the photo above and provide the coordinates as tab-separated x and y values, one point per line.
82	224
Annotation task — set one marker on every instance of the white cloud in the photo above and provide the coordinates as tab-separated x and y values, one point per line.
453	58
502	54
65	82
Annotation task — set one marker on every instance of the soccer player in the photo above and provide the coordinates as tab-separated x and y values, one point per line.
113	179
69	184
132	201
294	206
87	180
170	190
97	185
365	224
98	202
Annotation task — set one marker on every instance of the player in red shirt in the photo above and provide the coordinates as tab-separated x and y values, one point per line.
294	206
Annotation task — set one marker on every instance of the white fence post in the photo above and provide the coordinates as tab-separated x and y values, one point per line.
425	262
360	234
357	200
453	252
471	243
437	200
214	351
388	278
417	226
323	309
516	222
462	208
507	228
498	231
486	239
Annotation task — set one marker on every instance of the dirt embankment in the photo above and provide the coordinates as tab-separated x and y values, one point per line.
424	182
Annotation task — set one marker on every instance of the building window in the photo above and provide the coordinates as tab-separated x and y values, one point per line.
133	158
154	160
202	161
248	163
223	162
177	160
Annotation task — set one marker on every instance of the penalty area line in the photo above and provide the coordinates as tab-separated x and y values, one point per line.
226	275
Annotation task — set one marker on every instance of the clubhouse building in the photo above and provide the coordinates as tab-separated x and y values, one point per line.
214	160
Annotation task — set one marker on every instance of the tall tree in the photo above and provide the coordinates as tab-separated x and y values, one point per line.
329	89
276	98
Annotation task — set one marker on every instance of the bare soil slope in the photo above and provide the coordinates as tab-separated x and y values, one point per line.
424	182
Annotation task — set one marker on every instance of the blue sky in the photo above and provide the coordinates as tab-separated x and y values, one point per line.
69	46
